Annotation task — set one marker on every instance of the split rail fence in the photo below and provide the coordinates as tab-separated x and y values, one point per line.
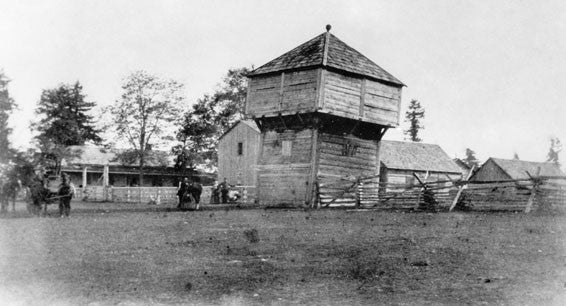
505	195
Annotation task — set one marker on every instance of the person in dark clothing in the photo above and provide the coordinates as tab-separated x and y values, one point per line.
183	187
224	189
65	194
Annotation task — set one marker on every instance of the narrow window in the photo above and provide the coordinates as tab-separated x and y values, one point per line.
349	149
286	147
240	148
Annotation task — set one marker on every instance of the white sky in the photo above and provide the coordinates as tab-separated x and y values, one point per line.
490	74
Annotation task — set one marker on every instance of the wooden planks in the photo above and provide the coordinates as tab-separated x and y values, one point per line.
236	168
281	184
337	169
361	98
286	92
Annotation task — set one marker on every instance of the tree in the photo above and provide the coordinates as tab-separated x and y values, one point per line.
146	113
555	148
471	159
64	121
7	106
208	119
413	115
516	156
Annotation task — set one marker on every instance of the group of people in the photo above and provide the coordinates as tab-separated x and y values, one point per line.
189	192
222	193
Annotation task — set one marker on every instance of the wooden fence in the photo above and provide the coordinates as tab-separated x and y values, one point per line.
509	195
162	195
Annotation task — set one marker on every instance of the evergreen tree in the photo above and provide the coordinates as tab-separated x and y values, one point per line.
413	116
7	106
64	121
555	148
471	159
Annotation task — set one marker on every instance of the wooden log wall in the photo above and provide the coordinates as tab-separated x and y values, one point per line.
284	167
343	159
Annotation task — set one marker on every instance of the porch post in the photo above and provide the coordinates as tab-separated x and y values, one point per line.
84	176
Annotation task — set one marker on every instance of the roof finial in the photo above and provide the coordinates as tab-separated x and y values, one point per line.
328	27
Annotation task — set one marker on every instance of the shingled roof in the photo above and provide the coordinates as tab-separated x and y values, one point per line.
248	122
517	169
326	50
416	156
95	155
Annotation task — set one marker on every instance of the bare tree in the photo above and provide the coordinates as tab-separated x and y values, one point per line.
146	114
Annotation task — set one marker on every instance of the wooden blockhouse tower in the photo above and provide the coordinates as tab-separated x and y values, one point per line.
322	109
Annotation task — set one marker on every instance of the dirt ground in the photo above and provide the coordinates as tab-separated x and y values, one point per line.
109	254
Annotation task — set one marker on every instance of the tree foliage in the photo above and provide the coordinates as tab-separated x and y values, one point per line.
555	148
413	116
7	106
471	159
64	121
208	119
146	113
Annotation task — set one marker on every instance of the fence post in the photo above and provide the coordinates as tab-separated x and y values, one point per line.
245	194
359	193
461	188
535	180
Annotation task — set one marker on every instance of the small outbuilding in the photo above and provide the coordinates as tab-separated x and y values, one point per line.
399	160
238	150
497	169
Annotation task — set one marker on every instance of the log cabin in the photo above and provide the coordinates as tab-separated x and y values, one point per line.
322	109
400	159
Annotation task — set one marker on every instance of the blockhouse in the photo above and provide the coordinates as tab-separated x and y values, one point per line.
322	109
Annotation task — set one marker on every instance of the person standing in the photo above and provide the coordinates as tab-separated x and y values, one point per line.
224	189
181	190
65	194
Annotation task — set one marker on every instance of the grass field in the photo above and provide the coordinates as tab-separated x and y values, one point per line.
108	254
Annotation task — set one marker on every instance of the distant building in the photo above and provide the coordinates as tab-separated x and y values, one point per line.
238	150
399	160
96	166
497	169
464	167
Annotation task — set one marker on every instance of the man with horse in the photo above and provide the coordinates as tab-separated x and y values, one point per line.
189	195
40	194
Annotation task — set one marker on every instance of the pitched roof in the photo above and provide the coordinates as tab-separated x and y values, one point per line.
517	169
326	50
248	122
416	156
95	155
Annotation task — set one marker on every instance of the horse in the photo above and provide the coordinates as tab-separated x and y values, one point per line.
39	196
193	193
9	192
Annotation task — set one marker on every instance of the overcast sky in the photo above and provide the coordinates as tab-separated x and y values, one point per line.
490	74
